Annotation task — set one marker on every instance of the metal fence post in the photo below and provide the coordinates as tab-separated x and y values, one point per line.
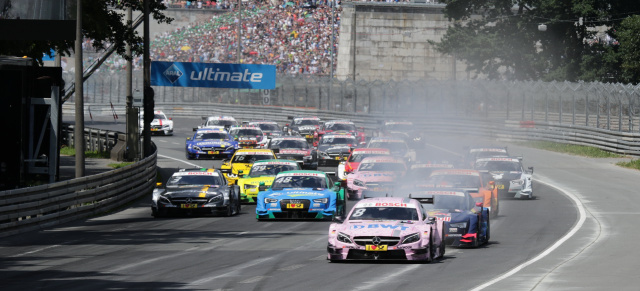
546	107
598	114
573	109
523	105
620	115
586	110
560	116
508	104
608	113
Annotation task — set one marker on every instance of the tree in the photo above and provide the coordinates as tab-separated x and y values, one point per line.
629	39
103	23
500	39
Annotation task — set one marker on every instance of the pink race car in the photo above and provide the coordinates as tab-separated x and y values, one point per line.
375	177
387	228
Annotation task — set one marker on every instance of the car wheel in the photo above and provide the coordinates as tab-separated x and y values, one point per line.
442	245
189	157
238	207
488	231
476	242
229	211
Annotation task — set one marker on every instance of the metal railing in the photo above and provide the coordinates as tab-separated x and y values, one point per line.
34	208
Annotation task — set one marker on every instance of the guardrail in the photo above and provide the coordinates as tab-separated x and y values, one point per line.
34	208
98	140
492	124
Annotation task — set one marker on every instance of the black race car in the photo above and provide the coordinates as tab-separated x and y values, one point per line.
305	126
405	130
197	191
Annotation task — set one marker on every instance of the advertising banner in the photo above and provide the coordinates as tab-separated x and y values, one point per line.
213	75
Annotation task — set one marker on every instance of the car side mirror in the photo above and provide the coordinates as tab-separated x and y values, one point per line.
338	219
240	172
159	184
530	170
170	118
225	161
262	184
337	184
479	204
432	219
188	138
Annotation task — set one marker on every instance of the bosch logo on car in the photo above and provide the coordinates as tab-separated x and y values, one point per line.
389	226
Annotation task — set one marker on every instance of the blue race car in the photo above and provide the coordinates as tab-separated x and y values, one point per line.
466	223
300	195
210	142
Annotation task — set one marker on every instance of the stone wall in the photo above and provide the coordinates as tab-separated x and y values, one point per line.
390	41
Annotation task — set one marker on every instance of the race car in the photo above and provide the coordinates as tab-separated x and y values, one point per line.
160	124
375	177
248	137
197	191
301	194
466	223
305	126
224	121
387	228
335	148
405	130
397	146
242	160
339	126
294	148
261	176
479	152
269	128
210	142
480	185
509	175
420	171
356	156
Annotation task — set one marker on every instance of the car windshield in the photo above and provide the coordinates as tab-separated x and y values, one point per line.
399	127
358	157
306	121
270	170
456	181
221	122
251	158
384	213
182	180
449	202
299	182
246	132
269	127
501	166
340	127
487	154
347	140
382	166
288	144
210	135
392	146
159	116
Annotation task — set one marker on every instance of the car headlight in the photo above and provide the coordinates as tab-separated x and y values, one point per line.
248	186
321	200
323	154
358	183
195	147
459	225
342	237
270	200
518	182
232	175
411	238
164	200
216	198
275	133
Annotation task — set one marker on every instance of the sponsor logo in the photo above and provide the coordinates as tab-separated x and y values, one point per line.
196	174
172	73
302	174
381	226
383	204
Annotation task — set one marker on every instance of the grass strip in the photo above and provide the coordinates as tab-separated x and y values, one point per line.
69	151
634	164
576	150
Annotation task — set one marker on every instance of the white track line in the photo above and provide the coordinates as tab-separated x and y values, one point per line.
574	230
179	160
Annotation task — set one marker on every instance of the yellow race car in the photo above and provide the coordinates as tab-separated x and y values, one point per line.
261	177
242	160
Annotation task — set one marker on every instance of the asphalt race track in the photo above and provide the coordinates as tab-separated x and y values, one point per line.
129	249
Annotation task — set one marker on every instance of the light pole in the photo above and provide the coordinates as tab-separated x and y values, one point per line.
239	33
78	140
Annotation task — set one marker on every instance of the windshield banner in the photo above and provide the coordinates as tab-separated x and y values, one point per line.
213	75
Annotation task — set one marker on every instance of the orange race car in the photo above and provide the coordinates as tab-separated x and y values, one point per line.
479	184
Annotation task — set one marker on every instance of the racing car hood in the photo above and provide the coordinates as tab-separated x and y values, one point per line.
335	149
267	180
192	191
506	175
220	142
305	127
379	228
373	176
235	167
297	193
161	122
447	216
294	152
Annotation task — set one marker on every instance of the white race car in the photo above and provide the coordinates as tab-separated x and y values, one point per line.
161	124
510	176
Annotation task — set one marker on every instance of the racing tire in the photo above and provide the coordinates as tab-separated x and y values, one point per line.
189	157
432	251
442	245
238	207
229	211
476	242
158	213
488	231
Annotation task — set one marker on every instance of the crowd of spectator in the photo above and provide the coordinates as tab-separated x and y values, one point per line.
295	38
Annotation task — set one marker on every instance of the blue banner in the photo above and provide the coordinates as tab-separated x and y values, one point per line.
213	75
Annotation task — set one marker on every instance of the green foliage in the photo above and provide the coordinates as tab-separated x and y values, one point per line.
69	151
120	165
577	150
629	48
100	23
634	164
500	39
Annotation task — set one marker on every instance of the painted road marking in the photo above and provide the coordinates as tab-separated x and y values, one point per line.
179	160
254	279
582	217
